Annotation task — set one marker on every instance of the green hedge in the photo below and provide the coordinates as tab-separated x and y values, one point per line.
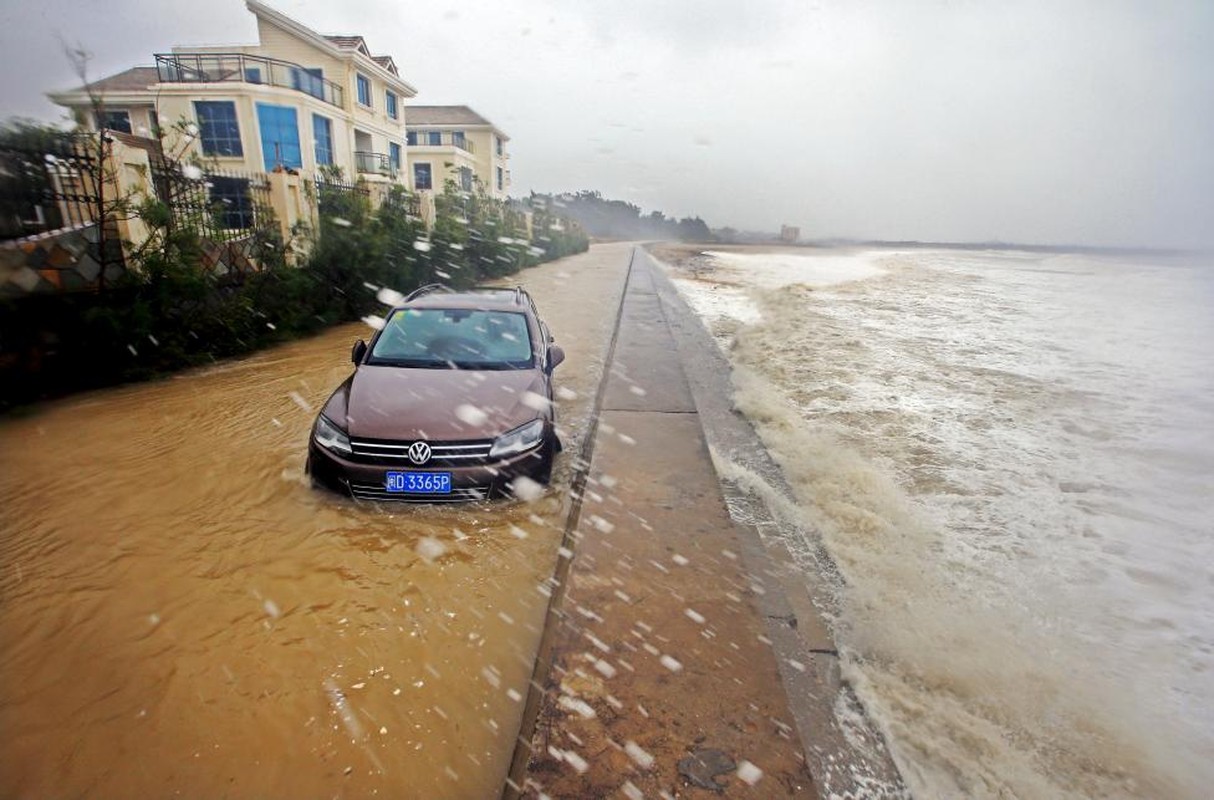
166	314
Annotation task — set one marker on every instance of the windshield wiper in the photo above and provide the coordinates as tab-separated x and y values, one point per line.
409	363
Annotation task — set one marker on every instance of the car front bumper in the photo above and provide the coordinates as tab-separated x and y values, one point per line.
365	481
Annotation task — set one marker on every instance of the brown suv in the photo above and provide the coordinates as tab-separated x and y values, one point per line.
452	400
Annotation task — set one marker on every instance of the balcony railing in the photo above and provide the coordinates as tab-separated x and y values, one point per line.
374	163
436	139
241	68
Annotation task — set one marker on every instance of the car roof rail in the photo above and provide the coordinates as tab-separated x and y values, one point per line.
518	291
427	289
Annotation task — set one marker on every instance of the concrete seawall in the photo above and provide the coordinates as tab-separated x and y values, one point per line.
682	653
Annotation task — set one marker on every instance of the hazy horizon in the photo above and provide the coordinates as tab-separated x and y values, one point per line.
1087	124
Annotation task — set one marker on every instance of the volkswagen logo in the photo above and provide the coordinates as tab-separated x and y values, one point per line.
419	453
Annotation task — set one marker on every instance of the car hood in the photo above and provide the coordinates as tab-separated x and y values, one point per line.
397	403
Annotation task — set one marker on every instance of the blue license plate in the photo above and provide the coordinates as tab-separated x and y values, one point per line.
418	482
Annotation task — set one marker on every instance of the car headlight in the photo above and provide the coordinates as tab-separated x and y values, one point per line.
521	438
331	437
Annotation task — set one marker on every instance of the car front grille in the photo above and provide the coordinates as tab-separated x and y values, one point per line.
376	491
442	454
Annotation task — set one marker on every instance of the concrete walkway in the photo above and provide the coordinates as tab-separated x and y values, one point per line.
657	676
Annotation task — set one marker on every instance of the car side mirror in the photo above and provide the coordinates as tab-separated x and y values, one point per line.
360	350
555	356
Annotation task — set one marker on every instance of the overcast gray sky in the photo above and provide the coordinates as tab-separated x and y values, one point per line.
1036	122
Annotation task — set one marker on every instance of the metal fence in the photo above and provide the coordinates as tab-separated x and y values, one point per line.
49	186
215	204
333	196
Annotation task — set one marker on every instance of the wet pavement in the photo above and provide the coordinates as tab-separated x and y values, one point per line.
658	673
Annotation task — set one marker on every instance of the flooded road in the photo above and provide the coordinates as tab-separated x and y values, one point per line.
183	615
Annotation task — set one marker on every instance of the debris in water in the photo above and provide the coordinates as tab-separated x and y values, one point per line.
748	772
638	754
342	707
703	766
527	489
430	548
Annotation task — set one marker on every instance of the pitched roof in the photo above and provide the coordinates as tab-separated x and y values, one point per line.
443	115
350	43
132	80
387	63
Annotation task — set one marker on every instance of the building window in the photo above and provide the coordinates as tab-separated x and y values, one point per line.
279	137
501	179
434	137
217	128
497	143
114	120
252	74
465	179
390	104
411	138
458	139
394	156
309	81
231	201
322	135
364	90
421	177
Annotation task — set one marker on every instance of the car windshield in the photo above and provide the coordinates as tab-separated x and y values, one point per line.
462	338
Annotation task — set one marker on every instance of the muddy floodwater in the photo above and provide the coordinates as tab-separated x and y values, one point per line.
183	615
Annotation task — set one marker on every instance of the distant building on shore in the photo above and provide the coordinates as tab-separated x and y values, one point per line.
458	143
790	234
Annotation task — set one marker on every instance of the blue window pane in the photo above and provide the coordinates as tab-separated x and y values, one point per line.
391	105
364	90
279	137
114	121
231	202
411	138
394	155
435	137
322	133
421	176
218	130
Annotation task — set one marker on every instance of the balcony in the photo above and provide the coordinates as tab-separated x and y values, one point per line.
374	163
241	68
437	139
